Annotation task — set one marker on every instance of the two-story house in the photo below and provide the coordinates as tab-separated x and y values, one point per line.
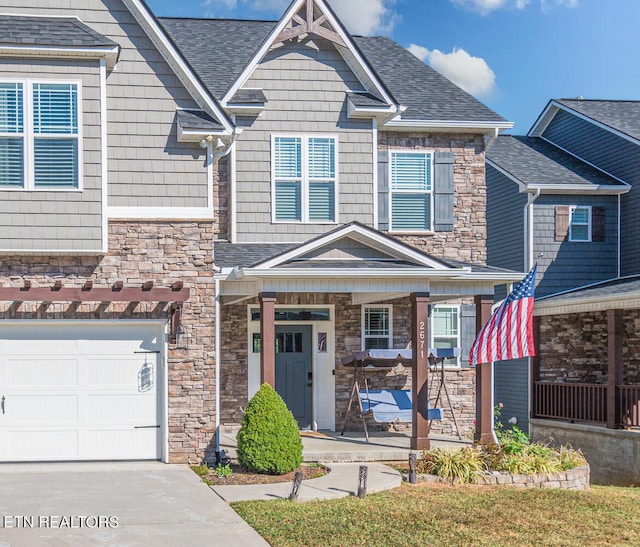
564	196
177	191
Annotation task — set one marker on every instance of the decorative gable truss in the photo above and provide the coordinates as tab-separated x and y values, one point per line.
306	18
309	20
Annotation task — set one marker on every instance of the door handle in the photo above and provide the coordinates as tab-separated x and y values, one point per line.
309	379
2	404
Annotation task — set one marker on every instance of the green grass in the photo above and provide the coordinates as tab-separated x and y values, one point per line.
461	515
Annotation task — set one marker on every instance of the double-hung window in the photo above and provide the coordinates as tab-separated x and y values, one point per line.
304	179
411	191
445	329
580	226
39	135
377	327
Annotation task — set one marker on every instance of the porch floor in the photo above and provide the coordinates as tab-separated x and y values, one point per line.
330	446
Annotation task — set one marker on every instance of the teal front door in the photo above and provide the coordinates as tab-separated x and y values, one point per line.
294	375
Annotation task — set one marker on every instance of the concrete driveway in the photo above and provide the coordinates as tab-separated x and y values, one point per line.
117	504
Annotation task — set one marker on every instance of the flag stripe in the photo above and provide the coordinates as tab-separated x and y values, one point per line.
508	334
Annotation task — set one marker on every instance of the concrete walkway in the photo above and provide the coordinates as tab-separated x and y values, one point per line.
123	504
341	481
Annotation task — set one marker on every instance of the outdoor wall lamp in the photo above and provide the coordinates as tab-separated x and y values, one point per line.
177	334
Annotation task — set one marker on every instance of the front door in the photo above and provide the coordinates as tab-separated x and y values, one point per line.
294	376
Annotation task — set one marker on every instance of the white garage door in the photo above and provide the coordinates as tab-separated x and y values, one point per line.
80	391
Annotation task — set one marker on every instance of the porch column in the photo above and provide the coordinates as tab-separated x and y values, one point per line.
268	338
615	328
420	371
535	369
484	373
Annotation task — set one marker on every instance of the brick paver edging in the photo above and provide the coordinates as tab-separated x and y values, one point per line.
572	479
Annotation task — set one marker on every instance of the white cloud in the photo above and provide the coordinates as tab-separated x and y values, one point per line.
472	74
366	17
484	7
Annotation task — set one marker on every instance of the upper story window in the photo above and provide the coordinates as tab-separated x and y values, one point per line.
445	329
39	135
580	226
304	179
377	327
411	191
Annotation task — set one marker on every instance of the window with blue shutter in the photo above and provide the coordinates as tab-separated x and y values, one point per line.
42	151
411	189
304	179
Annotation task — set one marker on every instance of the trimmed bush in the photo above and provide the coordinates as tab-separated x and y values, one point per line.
269	441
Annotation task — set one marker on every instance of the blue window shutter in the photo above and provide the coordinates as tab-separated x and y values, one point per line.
467	332
443	191
383	190
11	122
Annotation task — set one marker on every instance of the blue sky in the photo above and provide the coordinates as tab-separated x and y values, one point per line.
514	55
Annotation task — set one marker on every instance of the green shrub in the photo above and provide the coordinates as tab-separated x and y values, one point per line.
200	470
269	441
223	471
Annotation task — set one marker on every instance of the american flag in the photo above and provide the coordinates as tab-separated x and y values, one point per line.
509	332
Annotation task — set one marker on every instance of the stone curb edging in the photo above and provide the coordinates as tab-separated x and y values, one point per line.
572	479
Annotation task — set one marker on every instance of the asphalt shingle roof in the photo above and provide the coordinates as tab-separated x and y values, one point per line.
50	31
244	255
249	96
603	291
426	93
534	161
366	100
624	116
198	119
219	49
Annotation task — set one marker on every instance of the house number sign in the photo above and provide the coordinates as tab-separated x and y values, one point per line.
422	335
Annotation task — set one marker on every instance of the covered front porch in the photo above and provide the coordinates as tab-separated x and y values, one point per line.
311	301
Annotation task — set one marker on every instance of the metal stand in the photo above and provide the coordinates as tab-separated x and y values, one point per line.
434	363
355	394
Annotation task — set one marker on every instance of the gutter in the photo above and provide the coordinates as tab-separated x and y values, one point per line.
217	357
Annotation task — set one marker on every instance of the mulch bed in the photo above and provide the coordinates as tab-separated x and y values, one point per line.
241	476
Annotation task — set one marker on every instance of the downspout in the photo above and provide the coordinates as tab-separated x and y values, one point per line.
619	237
218	354
528	231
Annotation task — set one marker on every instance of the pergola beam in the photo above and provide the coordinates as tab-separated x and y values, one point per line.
87	293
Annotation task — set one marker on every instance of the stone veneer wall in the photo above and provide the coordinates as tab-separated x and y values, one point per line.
234	368
468	240
573	347
163	252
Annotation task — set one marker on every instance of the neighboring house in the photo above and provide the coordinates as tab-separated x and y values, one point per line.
175	191
568	192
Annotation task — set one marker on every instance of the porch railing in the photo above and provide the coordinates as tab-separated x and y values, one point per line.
629	408
585	402
578	402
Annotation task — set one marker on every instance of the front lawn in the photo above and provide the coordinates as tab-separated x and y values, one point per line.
447	515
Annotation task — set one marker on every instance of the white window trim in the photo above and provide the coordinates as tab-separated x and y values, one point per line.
432	334
304	191
29	136
589	224
431	155
364	336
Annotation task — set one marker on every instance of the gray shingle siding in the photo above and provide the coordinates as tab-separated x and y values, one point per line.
296	106
618	157
505	221
565	264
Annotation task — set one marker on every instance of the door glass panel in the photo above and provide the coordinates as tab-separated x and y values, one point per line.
289	342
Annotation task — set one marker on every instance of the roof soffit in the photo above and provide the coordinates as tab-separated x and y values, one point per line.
316	18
